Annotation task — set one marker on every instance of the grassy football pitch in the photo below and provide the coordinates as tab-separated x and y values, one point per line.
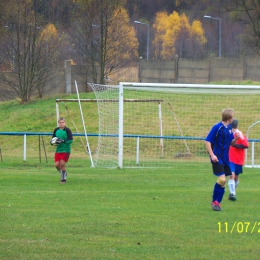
124	214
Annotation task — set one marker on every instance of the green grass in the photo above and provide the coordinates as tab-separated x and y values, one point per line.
123	214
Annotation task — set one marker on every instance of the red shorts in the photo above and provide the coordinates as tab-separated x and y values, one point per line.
61	156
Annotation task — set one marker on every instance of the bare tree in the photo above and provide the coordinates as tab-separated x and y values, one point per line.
28	55
99	38
248	13
86	38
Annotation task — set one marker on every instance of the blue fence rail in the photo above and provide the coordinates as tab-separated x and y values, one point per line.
116	135
40	134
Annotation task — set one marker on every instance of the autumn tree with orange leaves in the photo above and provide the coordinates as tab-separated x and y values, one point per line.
174	35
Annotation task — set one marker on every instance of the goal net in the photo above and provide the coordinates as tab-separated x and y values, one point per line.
163	125
144	133
160	125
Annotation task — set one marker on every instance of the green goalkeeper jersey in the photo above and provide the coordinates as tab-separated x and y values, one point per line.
66	135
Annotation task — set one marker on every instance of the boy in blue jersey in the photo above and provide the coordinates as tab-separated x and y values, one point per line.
217	144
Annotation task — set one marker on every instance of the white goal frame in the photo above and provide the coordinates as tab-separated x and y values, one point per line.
123	85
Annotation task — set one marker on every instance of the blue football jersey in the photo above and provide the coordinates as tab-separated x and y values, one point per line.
220	137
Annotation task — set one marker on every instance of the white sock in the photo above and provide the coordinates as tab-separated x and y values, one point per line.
232	188
236	184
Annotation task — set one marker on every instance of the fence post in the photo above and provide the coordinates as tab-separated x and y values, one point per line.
253	155
137	150
67	66
176	69
140	70
245	67
1	155
210	68
24	147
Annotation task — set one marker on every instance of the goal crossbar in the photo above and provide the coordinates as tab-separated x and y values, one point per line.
110	100
181	85
161	136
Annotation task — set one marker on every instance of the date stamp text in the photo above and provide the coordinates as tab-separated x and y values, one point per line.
239	227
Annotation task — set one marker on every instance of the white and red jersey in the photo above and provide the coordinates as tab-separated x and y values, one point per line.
237	152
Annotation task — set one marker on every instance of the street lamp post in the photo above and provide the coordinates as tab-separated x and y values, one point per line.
219	32
148	32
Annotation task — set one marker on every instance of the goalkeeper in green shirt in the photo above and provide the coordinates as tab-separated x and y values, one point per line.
62	137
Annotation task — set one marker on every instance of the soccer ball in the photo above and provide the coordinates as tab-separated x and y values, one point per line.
54	140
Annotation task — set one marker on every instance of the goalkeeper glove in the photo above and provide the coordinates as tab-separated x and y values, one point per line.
59	141
53	141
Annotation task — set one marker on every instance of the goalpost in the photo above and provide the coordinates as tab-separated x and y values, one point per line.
164	125
250	162
138	122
